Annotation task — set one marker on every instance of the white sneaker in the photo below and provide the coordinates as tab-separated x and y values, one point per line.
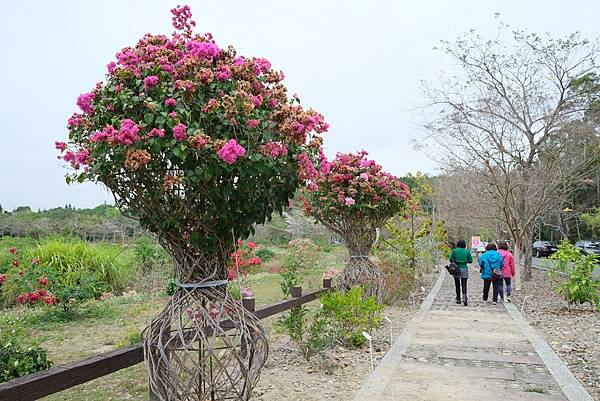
494	303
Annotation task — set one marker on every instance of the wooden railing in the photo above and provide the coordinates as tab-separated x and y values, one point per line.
59	378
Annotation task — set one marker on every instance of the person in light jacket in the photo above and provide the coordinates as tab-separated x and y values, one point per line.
508	269
491	260
461	257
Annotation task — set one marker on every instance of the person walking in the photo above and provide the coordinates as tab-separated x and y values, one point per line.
491	263
461	256
508	269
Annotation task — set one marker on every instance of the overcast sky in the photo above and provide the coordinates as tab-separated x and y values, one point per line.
360	63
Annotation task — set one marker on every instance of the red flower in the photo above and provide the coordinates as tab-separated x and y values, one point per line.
33	297
251	245
35	261
42	292
43	281
22	298
21	273
50	300
12	250
186	236
254	261
2	278
240	242
231	275
15	263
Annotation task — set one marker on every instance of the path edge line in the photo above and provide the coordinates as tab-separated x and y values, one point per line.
570	385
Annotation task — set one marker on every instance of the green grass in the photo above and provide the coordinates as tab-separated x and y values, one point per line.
539	390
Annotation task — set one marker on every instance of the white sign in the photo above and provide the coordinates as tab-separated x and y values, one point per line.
366	335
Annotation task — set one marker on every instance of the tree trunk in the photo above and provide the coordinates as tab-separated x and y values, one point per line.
527	253
517	255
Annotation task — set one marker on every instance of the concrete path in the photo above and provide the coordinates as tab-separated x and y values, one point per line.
479	352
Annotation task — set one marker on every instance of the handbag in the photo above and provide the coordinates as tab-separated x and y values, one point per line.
453	269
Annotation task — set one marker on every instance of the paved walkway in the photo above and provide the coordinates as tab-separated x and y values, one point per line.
480	352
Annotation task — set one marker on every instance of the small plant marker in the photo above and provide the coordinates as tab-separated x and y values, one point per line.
391	330
368	337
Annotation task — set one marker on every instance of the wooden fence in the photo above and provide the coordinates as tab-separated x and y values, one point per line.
59	378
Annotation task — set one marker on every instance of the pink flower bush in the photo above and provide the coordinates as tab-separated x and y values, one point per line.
203	126
353	182
231	151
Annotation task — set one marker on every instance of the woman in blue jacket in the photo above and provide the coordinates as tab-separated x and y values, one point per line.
491	260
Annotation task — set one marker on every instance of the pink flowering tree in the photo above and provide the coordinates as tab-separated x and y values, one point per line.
199	143
353	197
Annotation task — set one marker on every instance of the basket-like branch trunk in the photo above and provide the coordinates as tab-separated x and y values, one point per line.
204	345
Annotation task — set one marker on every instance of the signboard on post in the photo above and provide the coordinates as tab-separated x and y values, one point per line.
476	242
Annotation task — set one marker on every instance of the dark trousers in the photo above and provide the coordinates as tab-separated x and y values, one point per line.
497	284
458	282
508	282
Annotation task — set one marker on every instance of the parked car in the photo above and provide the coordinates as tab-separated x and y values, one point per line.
589	247
543	249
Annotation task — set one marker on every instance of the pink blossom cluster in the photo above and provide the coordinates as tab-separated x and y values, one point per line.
150	81
84	101
231	151
128	134
180	132
274	149
307	172
205	50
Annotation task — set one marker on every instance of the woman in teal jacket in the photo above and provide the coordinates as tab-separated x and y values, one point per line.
491	260
461	256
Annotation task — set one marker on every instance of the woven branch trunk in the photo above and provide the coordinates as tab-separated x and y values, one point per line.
360	270
204	346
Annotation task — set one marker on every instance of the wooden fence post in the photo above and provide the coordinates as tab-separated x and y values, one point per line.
326	283
296	292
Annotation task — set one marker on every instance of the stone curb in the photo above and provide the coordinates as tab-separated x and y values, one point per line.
569	384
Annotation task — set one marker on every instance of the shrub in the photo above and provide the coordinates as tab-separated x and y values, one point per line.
148	255
16	361
579	286
399	277
309	331
132	337
301	257
349	314
265	254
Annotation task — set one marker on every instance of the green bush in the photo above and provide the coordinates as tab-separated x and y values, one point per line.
265	254
349	314
132	337
579	287
16	361
400	278
310	332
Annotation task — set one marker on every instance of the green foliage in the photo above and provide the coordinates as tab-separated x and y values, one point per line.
309	331
265	254
302	257
289	279
579	286
17	361
149	255
349	314
400	277
132	337
171	287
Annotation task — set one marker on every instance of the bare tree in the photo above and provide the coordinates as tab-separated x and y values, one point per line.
509	116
